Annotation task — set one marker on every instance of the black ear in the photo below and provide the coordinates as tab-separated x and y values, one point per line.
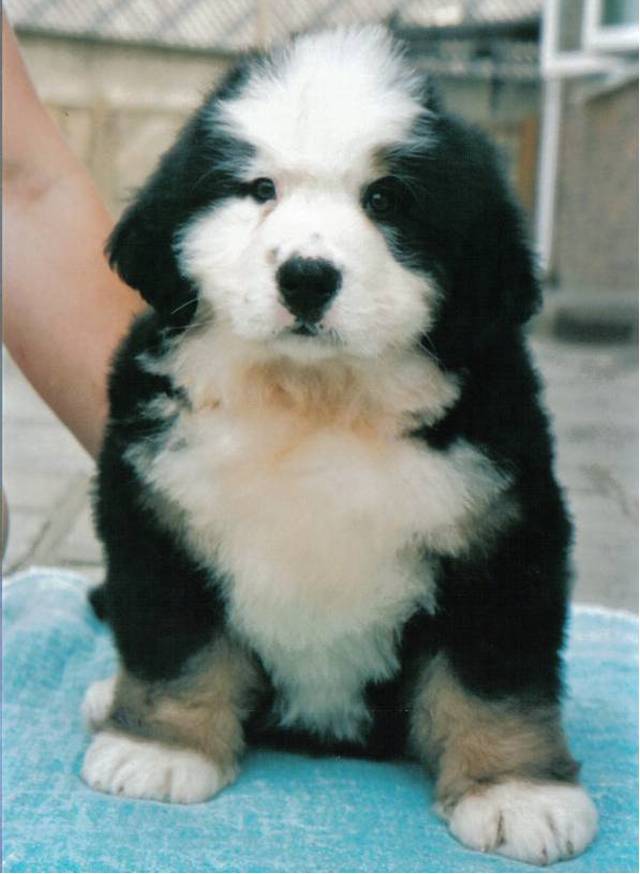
141	246
195	173
488	271
510	273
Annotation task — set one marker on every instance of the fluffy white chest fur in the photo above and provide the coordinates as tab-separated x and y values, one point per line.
297	483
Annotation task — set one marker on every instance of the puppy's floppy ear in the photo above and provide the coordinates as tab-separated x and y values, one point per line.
141	246
198	170
496	289
477	234
498	268
510	271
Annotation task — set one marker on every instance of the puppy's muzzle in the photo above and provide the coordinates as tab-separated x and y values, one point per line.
307	287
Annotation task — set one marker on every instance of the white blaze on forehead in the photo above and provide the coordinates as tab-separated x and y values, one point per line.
327	102
318	115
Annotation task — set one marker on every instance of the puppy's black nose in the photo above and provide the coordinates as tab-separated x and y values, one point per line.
307	285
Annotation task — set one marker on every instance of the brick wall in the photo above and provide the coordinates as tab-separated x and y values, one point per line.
119	107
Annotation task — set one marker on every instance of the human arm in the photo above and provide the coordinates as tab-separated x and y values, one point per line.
64	310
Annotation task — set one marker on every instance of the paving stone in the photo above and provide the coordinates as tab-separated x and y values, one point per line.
79	545
25	528
43	448
33	490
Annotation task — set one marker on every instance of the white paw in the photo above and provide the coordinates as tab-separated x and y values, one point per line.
97	702
538	823
124	765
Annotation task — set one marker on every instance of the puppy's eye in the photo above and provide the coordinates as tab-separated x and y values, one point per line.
381	198
263	190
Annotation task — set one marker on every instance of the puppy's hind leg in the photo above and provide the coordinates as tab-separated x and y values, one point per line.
175	740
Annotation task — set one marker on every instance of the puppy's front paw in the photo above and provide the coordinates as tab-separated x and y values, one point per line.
123	765
538	823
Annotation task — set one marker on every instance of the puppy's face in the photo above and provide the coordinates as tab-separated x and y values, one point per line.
300	255
319	204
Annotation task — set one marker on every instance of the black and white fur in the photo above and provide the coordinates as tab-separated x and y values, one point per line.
326	447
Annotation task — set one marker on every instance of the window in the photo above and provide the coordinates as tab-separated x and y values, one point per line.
614	12
611	25
582	37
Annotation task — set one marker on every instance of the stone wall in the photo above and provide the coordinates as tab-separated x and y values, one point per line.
596	233
120	106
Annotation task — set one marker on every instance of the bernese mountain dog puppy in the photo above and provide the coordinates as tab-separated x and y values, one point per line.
326	491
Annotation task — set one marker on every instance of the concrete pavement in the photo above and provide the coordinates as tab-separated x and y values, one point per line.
592	392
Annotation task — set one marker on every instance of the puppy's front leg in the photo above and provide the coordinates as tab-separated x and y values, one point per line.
505	781
171	741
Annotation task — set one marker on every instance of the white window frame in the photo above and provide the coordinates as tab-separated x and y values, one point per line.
593	57
586	60
606	37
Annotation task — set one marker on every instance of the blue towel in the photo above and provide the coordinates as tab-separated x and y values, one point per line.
285	812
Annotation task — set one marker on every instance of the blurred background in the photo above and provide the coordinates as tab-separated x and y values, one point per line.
554	82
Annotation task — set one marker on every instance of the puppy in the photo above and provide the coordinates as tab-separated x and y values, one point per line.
326	491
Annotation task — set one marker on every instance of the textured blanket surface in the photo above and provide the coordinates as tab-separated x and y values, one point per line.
285	812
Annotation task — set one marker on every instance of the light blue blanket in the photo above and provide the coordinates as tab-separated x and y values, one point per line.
285	812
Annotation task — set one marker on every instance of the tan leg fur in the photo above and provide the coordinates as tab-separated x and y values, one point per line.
469	743
202	710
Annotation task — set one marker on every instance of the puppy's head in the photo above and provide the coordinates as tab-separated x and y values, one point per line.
319	204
